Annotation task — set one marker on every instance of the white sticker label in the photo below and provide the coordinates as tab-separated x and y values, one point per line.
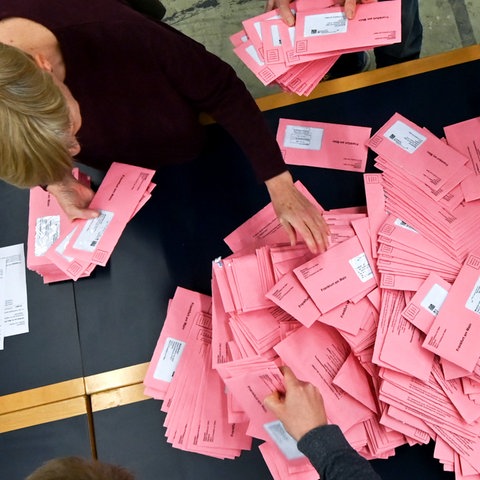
402	224
305	138
325	24
64	244
275	32
362	267
251	50
473	300
47	231
434	299
93	231
405	137
168	361
285	442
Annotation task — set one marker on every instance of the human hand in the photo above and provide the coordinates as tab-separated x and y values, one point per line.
74	198
297	215
300	408
289	19
351	6
283	8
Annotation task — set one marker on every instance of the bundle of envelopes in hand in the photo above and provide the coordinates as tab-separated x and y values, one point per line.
296	58
385	323
60	249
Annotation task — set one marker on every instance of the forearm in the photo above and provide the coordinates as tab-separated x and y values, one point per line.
333	457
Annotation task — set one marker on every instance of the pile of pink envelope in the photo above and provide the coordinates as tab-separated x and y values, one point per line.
296	58
60	249
197	412
385	322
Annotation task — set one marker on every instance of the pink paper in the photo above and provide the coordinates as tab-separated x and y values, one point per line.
326	145
328	29
458	341
337	275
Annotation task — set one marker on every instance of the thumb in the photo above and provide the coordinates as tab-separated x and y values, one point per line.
82	214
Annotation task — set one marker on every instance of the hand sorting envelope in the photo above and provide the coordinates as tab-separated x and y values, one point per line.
385	323
62	250
297	58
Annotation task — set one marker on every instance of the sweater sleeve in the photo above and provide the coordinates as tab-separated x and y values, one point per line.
333	457
213	87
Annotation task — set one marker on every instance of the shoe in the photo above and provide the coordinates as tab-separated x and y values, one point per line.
349	64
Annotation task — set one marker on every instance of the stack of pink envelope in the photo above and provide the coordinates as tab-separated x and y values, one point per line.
385	322
75	248
46	223
196	411
424	182
296	58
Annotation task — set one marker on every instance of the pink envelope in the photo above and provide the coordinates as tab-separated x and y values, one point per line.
46	223
458	341
353	379
285	258
392	281
381	441
361	227
449	195
375	197
396	230
403	427
253	59
337	275
272	42
328	29
463	136
289	294
249	390
221	335
238	38
279	465
73	267
253	27
416	151
467	448
453	389
326	145
263	228
425	400
248	284
172	340
287	37
316	354
303	78
122	188
398	343
426	303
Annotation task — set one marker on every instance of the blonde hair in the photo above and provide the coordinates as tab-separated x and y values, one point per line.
76	468
34	123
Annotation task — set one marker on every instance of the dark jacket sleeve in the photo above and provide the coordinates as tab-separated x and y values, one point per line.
213	87
333	457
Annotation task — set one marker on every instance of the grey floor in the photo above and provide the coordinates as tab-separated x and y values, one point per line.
448	25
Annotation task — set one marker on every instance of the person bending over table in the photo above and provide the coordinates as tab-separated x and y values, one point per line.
135	89
302	413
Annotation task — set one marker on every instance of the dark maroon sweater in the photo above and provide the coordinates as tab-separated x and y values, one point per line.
141	85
